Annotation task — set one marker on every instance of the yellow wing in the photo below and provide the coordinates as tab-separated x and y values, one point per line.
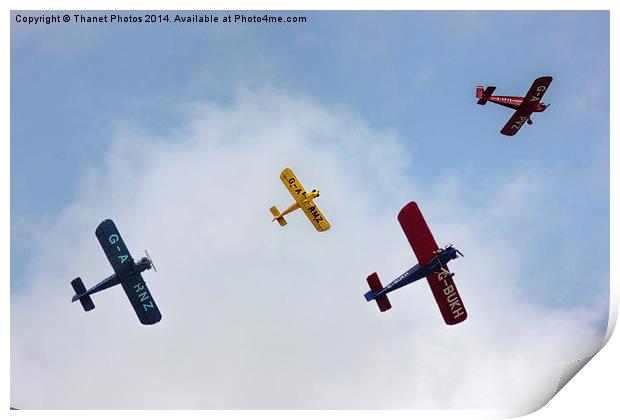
299	194
316	217
293	185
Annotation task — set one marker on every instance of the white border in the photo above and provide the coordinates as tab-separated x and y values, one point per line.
592	393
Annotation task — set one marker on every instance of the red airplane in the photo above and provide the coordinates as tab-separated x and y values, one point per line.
524	105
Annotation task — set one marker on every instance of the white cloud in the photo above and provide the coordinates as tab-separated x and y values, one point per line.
258	316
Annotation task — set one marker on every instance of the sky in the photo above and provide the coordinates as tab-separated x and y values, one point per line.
178	132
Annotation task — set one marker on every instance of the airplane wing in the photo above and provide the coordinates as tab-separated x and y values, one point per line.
140	298
122	263
536	92
316	217
424	245
447	298
516	122
417	232
293	185
113	246
530	100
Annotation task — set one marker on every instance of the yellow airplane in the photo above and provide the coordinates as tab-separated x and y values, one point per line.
303	200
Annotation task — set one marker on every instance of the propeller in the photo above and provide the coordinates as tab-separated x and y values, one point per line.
148	257
460	253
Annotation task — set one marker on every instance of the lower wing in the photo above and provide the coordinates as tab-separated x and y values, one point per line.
141	299
515	122
316	217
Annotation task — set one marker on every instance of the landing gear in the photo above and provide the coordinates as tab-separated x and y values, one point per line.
529	121
444	274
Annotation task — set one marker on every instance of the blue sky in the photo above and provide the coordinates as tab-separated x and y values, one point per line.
410	72
412	76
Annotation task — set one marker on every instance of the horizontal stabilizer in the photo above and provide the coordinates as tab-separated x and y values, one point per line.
80	290
375	286
488	91
276	216
482	95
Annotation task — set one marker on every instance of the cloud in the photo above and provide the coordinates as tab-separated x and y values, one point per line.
258	316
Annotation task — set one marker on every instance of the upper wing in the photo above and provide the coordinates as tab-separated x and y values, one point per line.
536	92
140	298
424	246
316	217
417	232
293	185
113	246
515	122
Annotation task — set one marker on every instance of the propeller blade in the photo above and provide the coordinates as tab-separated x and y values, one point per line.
150	260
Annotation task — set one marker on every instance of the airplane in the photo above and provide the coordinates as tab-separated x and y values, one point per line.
303	200
126	273
432	264
524	106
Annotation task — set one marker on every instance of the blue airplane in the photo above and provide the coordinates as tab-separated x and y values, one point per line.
126	273
432	264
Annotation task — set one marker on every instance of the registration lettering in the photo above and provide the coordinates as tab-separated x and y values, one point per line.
456	307
540	90
519	123
143	295
113	239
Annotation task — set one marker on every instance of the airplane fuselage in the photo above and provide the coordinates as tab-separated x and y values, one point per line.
308	197
418	272
113	280
514	102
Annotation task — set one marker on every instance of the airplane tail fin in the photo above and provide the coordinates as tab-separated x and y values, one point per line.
479	93
375	286
277	216
85	300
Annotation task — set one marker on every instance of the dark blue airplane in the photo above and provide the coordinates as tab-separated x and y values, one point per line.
126	273
417	272
432	264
